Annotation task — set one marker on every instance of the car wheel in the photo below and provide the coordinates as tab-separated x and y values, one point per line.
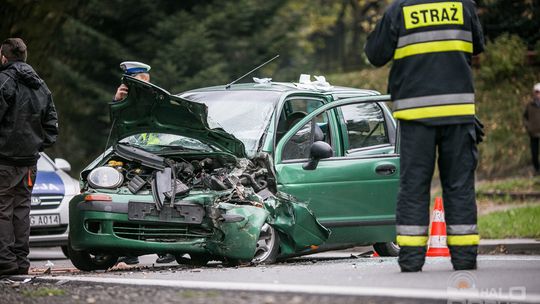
199	259
390	249
86	261
267	246
65	251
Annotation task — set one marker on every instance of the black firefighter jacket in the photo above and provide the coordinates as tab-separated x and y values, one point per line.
431	44
28	119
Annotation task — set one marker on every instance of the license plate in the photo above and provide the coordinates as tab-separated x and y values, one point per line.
44	220
181	213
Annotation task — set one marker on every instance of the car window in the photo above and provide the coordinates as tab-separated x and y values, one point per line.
298	146
245	114
303	105
293	111
364	126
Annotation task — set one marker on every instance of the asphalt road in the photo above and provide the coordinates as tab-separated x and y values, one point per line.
336	273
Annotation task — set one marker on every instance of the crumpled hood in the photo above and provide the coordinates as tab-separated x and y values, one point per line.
24	73
149	108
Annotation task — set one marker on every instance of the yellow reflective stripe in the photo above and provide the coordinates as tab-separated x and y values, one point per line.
153	139
412	240
463	240
433	47
433	112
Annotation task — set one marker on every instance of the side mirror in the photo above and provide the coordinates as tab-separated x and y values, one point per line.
62	164
319	150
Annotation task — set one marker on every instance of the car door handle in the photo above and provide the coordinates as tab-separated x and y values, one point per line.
386	169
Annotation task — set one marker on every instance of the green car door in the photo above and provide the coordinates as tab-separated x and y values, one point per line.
354	192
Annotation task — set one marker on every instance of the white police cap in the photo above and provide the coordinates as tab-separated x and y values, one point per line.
134	67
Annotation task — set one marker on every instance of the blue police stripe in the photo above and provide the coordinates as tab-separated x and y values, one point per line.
136	70
48	182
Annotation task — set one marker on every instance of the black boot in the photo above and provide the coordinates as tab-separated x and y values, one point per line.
411	259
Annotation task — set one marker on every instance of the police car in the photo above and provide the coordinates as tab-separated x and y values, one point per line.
49	216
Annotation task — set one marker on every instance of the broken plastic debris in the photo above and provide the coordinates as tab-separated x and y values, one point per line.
320	83
305	79
262	82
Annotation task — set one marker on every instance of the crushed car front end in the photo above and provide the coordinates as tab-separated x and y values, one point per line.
221	208
216	217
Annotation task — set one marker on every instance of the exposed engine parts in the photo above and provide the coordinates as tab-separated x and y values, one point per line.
173	177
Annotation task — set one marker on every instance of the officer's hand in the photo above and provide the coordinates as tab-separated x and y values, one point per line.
121	93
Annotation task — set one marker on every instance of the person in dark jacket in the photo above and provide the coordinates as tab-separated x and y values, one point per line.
431	44
28	124
140	71
532	124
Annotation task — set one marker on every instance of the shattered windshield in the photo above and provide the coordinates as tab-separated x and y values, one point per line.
160	142
244	114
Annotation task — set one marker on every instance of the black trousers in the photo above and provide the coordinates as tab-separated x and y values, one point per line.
534	153
454	149
16	185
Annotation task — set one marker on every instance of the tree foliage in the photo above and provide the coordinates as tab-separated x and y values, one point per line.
76	46
521	17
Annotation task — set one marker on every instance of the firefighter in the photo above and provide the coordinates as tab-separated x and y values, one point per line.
431	44
28	124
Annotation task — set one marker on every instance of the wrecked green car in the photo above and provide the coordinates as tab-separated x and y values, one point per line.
249	172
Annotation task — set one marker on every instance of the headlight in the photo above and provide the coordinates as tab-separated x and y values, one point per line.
105	177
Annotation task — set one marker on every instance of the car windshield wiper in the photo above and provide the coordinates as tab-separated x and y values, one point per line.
125	143
163	148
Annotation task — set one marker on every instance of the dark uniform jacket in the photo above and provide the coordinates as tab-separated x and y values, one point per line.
431	43
532	118
28	120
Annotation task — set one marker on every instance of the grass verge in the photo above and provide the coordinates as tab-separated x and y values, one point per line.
514	223
515	184
43	292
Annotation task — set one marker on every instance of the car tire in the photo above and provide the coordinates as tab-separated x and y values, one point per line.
389	249
65	251
85	261
267	248
199	259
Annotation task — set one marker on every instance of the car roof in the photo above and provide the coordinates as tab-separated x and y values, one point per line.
286	87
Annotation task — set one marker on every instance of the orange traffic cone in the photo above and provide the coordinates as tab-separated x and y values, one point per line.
437	238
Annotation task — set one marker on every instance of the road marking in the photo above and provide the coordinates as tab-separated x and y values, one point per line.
508	258
309	289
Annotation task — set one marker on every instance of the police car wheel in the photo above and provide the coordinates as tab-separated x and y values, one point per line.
389	249
84	260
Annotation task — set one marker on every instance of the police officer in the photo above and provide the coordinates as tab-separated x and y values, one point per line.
140	71
431	44
28	124
134	69
531	120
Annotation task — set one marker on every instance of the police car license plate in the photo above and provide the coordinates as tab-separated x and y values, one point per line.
44	220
